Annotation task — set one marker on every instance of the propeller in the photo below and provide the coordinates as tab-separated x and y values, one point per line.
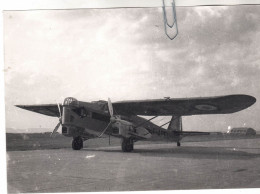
110	107
112	117
53	134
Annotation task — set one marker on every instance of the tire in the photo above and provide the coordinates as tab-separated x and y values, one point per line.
178	144
77	143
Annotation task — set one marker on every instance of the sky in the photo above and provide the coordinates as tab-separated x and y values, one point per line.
124	54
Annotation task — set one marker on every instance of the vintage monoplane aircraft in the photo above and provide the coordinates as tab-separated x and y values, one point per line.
86	120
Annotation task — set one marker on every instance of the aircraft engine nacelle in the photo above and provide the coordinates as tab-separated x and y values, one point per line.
126	129
144	133
121	128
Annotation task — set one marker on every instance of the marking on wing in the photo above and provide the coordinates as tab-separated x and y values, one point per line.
205	107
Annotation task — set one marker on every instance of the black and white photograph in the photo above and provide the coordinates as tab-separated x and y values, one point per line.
132	98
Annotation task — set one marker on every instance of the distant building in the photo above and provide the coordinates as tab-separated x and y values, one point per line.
242	131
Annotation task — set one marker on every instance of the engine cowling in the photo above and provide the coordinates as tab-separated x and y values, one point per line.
127	129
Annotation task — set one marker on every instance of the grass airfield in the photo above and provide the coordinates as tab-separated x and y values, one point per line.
37	163
42	141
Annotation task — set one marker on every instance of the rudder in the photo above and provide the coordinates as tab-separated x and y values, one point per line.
175	123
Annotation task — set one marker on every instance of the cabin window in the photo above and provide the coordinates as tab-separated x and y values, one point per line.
100	117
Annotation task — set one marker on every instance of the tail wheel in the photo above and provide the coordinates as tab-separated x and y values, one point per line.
77	143
127	145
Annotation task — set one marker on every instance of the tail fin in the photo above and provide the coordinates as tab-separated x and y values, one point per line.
175	124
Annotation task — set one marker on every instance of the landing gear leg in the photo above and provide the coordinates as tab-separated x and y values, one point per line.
178	144
77	143
127	145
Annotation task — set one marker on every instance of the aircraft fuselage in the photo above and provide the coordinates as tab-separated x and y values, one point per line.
88	120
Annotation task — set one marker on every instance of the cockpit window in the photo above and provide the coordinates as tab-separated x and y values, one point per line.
82	112
71	102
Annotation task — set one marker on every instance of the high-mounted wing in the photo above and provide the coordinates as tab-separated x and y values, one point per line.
185	106
46	109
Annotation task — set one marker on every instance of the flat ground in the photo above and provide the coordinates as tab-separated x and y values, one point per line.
206	165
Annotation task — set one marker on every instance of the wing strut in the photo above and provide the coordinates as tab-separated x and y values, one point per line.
169	121
165	124
146	121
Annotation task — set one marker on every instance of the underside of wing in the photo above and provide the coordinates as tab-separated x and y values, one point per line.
45	109
185	106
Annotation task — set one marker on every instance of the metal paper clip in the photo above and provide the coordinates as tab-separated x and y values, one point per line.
174	20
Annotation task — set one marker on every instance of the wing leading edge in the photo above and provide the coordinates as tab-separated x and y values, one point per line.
45	109
186	106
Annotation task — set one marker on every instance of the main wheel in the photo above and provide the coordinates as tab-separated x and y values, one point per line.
178	144
77	143
127	145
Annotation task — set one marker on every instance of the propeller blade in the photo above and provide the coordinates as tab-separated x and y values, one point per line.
59	109
55	129
110	107
104	129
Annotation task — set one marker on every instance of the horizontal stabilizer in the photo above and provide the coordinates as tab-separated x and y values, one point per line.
216	136
190	133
